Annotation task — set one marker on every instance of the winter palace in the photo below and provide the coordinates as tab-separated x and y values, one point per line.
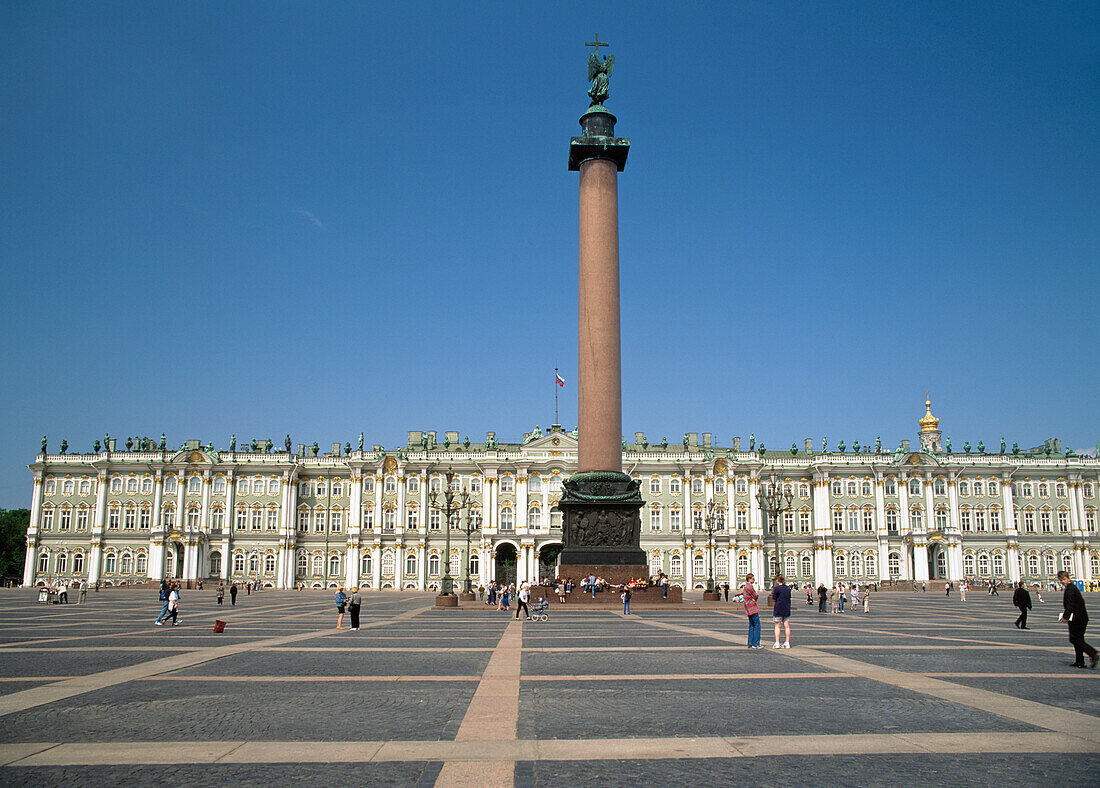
366	518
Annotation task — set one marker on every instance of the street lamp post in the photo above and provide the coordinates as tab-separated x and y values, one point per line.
453	503
773	502
473	522
709	523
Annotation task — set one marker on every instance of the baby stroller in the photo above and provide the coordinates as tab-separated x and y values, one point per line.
538	610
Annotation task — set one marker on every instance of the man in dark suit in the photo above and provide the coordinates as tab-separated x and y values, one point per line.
1074	614
1021	599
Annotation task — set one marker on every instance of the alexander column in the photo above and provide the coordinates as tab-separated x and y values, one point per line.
600	504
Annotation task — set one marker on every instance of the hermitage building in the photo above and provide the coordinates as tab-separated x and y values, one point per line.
364	518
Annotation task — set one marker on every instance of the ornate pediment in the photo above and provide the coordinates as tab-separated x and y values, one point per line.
194	456
554	441
918	458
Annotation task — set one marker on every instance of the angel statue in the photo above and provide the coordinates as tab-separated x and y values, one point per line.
599	74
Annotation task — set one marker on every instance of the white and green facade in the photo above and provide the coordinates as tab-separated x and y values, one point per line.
365	517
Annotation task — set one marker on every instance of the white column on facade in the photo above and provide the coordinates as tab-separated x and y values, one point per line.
156	534
355	524
953	537
229	524
30	567
880	528
1011	534
95	554
422	566
376	565
521	506
823	554
1076	524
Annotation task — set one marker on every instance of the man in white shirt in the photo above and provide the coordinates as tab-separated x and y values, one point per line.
522	597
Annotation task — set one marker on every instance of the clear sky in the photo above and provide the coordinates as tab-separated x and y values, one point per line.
327	218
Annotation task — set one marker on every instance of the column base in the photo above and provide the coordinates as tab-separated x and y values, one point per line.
601	524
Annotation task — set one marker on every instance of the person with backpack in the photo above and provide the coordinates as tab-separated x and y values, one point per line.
626	601
781	611
164	591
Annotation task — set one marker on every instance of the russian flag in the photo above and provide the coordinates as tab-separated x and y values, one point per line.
560	380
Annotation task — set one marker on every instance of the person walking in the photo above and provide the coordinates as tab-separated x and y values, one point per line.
1021	599
840	597
726	590
947	589
855	598
625	596
1075	615
962	591
867	599
165	590
355	601
833	594
233	594
174	604
822	597
341	603
781	611
220	593
83	591
521	601
63	593
752	610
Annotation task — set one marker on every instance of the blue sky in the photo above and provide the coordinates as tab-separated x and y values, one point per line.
322	219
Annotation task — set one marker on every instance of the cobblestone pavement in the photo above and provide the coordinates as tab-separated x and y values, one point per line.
923	689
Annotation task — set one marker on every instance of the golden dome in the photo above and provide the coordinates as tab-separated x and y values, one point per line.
928	422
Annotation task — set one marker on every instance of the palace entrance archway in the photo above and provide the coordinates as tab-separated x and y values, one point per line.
506	563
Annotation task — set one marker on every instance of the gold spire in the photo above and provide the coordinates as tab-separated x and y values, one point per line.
928	422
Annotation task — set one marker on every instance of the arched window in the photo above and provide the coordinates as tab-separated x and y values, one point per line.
1063	521
840	562
388	563
318	565
742	565
507	518
238	563
893	564
253	564
655	563
507	483
914	486
655	517
1033	565
366	565
968	565
1094	561
964	519
456	564
939	487
721	563
110	561
674	485
891	486
983	565
215	563
334	565
141	564
194	484
269	564
853	490
916	518
697	567
66	518
534	517
790	566
676	565
433	565
807	566
475	564
865	487
856	565
410	564
941	518
78	563
534	484
43	563
62	563
301	563
998	564
1067	563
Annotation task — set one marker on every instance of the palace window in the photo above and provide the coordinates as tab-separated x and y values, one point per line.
1044	520
112	518
109	563
655	564
1086	488
86	487
534	484
655	485
318	565
303	489
979	520
1049	561
131	484
857	565
1063	521
272	486
788	522
410	564
790	566
43	563
217	520
803	490
868	520
219	486
334	565
319	518
475	484
194	484
1060	489
804	521
1029	521
719	485
534	517
742	518
742	565
368	518
116	485
865	487
968	565
433	565
994	519
412	484
916	519
507	483
51	487
1033	565
891	486
807	566
741	486
998	564
389	520
366	564
991	489
412	518
838	519
168	516
676	565
964	519
129	521
941	519
390	485
837	488
78	563
170	484
507	519
697	484
675	522
1090	522
674	485
388	562
840	563
939	487
721	563
1067	562
655	517
368	484
914	487
697	518
320	487
852	489
435	520
272	523
242	487
303	521
853	520
979	489
82	518
269	564
892	522
1044	490
964	487
893	565
66	519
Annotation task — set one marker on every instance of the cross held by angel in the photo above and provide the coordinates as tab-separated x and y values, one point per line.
599	72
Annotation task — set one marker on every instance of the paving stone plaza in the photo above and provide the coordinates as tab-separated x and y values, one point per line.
922	689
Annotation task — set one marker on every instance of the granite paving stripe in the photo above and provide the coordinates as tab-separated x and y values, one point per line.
37	696
497	750
312	679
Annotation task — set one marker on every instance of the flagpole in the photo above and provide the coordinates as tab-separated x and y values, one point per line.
556	387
